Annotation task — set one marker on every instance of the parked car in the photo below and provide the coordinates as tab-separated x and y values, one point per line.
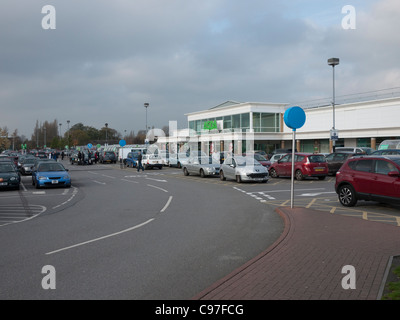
150	161
50	173
41	154
178	159
9	176
336	159
362	150
306	165
164	155
131	159
374	178
242	168
384	152
26	165
108	157
202	166
276	157
260	158
219	156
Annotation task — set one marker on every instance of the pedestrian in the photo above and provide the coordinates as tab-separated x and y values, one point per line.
140	162
62	155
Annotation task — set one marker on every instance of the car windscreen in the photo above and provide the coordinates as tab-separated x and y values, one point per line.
5	167
317	158
45	167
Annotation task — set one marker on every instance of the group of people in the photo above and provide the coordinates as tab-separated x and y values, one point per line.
87	157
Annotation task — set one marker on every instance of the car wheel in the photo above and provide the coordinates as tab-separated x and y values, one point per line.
299	175
273	173
202	173
185	172
221	176
238	179
347	195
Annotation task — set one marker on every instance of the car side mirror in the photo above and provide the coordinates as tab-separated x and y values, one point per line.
232	165
393	174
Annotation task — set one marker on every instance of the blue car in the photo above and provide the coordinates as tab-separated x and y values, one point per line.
50	174
131	159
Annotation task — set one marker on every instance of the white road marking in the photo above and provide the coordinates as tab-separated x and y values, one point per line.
68	200
150	185
101	238
156	180
129	181
167	204
99	182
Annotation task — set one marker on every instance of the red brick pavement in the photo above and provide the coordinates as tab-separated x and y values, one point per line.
306	261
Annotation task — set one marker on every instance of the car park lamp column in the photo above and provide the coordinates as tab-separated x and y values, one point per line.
333	62
146	105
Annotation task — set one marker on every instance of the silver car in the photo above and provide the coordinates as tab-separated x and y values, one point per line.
202	166
242	168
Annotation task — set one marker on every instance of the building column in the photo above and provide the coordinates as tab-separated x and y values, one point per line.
373	143
298	145
330	146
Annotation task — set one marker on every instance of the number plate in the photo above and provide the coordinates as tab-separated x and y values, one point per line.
319	169
54	181
3	183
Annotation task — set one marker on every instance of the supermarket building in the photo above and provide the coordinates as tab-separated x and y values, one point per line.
245	126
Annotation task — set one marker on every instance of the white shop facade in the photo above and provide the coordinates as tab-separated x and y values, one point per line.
246	126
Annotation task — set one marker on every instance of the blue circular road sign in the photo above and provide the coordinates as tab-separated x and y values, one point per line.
294	117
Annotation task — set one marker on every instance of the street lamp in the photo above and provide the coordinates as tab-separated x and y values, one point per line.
60	129
106	134
68	132
146	105
333	62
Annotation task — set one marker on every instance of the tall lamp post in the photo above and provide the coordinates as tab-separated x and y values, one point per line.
106	134
333	62
146	105
68	133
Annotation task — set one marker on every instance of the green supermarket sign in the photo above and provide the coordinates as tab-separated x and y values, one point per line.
210	125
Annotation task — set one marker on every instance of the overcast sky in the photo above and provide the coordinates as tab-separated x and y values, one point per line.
105	59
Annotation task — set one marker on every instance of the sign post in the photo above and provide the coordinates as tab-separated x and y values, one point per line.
294	118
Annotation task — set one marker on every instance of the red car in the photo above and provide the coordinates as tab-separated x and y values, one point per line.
306	165
260	158
374	178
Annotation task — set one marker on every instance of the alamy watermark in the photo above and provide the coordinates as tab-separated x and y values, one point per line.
49	280
349	281
349	20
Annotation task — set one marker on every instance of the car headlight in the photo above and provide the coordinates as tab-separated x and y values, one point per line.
27	168
13	178
66	177
42	178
